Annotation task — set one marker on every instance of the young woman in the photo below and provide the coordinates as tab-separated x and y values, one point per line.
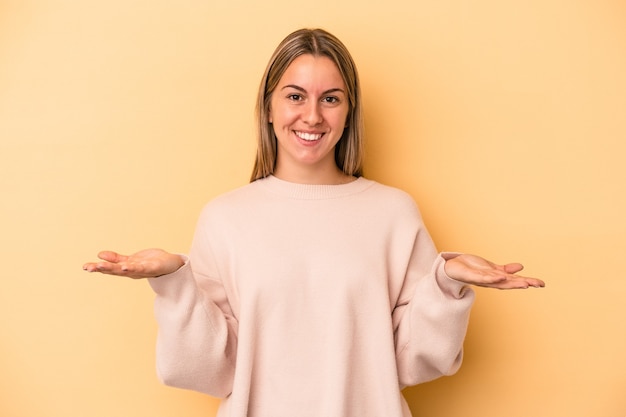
312	291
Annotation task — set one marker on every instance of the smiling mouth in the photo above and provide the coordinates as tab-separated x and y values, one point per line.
309	136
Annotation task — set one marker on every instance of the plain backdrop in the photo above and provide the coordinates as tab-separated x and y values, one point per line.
506	120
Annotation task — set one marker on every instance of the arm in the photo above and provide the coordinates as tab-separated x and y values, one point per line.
196	342
431	317
197	332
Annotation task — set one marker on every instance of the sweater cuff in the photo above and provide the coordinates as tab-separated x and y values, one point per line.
172	283
449	286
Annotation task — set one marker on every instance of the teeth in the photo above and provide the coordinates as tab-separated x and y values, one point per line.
309	136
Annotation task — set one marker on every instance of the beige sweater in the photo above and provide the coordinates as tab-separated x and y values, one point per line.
310	301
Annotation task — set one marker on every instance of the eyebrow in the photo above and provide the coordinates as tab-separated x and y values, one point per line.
297	87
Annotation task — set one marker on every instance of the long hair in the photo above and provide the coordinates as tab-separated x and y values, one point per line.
317	42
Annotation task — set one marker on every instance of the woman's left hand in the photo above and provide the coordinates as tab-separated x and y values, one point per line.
472	269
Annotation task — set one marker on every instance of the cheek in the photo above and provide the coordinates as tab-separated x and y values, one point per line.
283	116
341	120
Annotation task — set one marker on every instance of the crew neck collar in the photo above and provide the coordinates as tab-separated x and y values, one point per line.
313	191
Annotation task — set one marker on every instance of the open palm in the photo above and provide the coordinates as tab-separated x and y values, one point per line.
472	269
148	263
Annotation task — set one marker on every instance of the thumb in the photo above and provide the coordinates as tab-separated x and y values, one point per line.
113	257
513	268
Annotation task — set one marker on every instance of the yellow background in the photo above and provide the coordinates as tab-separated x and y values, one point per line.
504	119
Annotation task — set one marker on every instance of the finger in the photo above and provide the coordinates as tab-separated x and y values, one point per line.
90	267
515	282
103	267
121	269
98	267
109	268
534	282
506	285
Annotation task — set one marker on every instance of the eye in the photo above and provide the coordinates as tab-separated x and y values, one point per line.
331	100
294	97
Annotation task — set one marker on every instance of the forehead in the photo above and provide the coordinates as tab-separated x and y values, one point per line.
312	71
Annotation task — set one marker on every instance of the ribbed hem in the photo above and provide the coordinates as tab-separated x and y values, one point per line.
449	285
313	191
176	281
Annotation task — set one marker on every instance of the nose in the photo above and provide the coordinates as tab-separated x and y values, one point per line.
312	114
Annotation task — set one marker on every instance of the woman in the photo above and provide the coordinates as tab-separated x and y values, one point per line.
311	291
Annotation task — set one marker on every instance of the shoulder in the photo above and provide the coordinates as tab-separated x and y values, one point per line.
241	194
231	202
394	200
390	192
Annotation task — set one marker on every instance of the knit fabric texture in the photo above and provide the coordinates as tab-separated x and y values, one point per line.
310	301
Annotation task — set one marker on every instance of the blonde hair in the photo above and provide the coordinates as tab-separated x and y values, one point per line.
317	42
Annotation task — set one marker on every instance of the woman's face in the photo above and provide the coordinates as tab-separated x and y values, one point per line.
308	111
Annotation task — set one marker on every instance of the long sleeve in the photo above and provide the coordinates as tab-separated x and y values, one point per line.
327	297
197	340
431	317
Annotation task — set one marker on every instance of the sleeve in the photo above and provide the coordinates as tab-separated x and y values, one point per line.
431	316
197	337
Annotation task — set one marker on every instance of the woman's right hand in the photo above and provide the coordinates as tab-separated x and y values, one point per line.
148	263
